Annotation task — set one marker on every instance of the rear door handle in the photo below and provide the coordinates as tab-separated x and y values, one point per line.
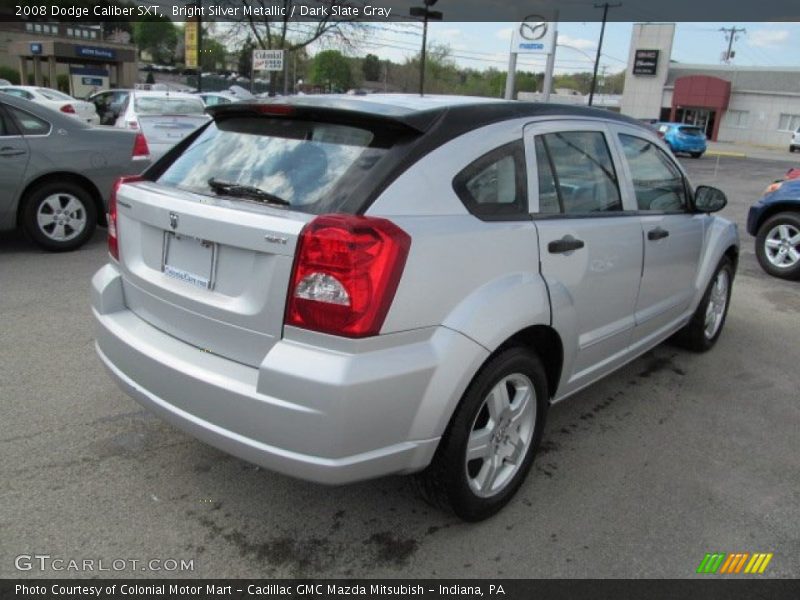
565	244
9	151
657	234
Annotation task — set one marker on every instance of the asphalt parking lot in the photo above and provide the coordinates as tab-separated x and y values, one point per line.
640	475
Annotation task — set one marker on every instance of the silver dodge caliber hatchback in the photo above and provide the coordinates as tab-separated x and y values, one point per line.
339	288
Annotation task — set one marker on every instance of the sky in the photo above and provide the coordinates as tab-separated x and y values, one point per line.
484	45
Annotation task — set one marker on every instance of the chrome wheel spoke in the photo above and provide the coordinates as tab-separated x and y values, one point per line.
58	232
487	474
53	203
772	244
498	401
795	240
783	232
45	219
479	444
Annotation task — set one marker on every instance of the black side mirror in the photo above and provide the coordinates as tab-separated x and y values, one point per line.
709	199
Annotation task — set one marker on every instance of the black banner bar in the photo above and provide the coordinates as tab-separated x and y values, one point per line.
87	11
734	588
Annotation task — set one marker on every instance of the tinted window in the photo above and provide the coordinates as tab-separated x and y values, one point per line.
53	94
19	93
582	172
692	131
548	195
656	180
29	124
299	161
7	127
494	185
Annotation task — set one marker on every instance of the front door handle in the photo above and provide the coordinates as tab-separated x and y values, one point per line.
657	234
565	244
9	151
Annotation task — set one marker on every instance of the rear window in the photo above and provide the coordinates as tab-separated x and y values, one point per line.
163	105
53	94
692	131
310	165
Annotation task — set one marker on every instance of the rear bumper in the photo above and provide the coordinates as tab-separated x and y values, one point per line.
326	416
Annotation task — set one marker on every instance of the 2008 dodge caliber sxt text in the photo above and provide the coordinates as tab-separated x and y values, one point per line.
339	288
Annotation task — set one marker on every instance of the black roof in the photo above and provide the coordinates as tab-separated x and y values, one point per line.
456	114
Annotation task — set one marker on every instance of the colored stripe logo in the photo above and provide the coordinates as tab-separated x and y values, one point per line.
734	563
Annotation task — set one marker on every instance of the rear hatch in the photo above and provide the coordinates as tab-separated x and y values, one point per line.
169	129
693	134
207	244
167	119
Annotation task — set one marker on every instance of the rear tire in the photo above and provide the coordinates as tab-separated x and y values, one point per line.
59	216
703	331
499	424
697	154
778	245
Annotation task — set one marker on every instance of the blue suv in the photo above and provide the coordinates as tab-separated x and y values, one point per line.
775	222
683	138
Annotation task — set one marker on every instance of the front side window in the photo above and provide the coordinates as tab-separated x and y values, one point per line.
578	175
493	186
657	182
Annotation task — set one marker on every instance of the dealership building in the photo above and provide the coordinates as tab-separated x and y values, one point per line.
755	105
41	52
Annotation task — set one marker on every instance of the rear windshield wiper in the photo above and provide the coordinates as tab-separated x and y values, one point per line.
245	191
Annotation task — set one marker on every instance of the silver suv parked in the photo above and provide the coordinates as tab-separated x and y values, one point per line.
339	288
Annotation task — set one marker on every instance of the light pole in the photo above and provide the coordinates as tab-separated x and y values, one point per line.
426	14
605	8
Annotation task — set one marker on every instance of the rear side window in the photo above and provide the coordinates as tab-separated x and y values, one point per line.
579	174
494	186
30	124
310	165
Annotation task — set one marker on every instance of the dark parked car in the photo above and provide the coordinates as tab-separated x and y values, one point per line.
56	172
775	222
109	104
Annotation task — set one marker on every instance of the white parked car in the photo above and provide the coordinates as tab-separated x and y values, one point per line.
795	143
165	118
346	287
85	111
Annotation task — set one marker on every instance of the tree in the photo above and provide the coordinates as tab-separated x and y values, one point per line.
276	32
157	36
331	70
371	67
212	55
245	64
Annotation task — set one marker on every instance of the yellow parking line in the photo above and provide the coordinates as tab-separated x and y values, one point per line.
724	153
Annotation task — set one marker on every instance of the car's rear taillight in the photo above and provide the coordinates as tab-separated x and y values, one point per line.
111	218
68	108
345	274
140	148
133	124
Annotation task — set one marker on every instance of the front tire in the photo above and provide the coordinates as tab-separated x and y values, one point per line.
703	331
59	216
778	245
488	448
697	154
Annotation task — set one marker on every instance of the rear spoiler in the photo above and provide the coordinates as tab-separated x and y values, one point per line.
413	122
